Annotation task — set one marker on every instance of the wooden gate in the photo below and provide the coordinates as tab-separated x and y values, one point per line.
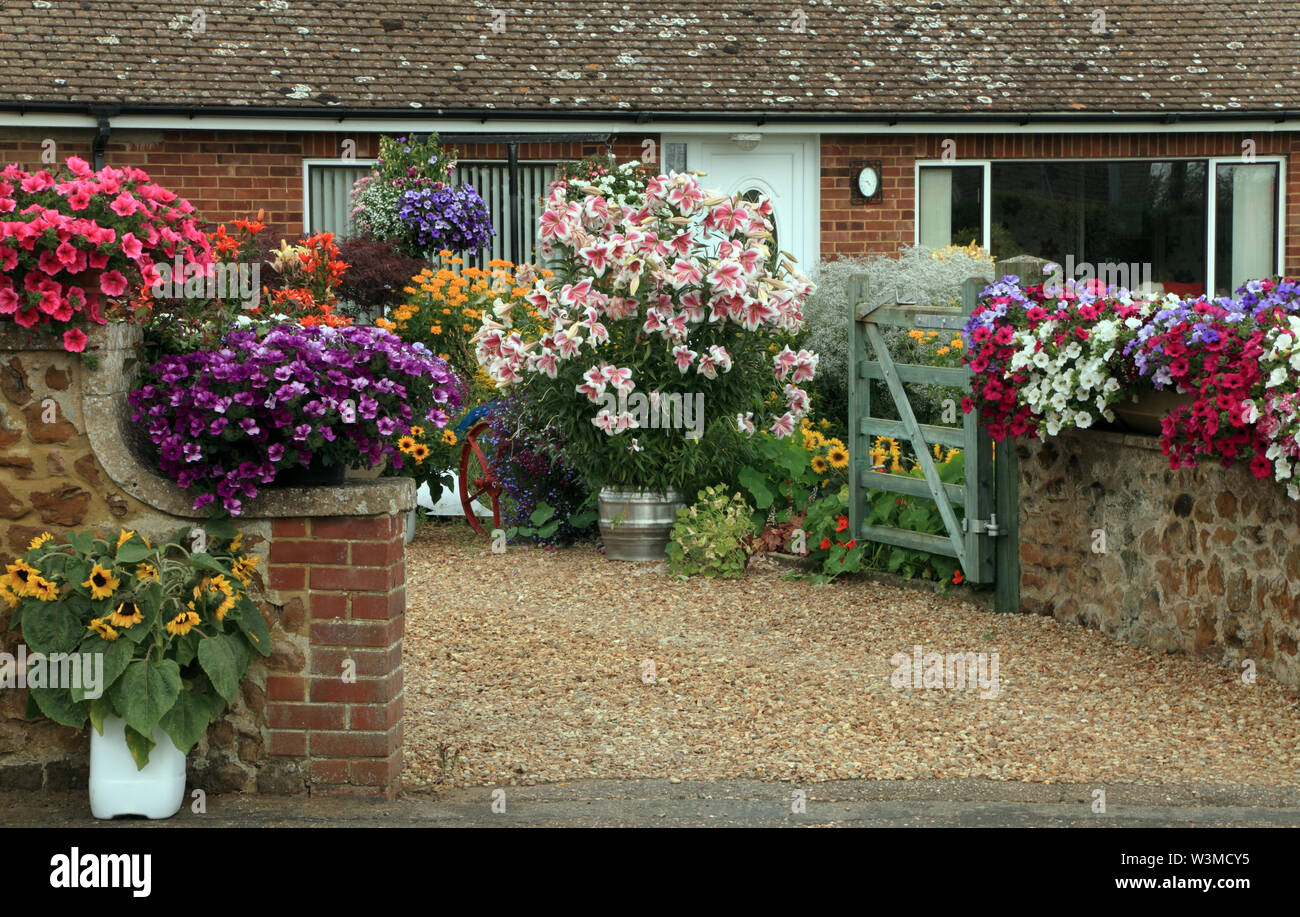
984	539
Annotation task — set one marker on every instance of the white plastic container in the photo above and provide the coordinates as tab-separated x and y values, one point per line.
118	788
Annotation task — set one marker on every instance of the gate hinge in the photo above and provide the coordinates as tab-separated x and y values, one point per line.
980	527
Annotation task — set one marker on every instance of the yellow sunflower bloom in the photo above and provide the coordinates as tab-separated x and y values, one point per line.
102	583
146	573
20	576
99	627
818	464
183	623
406	444
838	457
124	537
43	589
449	437
420	453
128	613
417	431
40	540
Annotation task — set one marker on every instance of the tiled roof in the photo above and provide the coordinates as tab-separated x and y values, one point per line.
657	56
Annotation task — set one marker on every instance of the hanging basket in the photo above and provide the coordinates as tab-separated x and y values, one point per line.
1143	412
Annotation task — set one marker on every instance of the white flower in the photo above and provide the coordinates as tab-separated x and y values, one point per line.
1083	420
1276	377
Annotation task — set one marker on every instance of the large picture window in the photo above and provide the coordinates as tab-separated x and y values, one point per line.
1187	225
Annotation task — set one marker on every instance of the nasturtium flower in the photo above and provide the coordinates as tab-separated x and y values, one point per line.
102	583
100	627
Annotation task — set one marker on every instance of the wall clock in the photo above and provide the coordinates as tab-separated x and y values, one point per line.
865	177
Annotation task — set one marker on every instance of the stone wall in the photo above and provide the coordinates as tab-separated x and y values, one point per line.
1204	561
330	583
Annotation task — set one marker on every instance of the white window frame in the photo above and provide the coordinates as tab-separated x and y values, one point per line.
1211	223
986	221
1212	163
306	181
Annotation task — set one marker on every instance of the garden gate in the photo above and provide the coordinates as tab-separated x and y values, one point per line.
984	541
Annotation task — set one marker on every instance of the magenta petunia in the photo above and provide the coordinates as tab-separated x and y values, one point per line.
74	340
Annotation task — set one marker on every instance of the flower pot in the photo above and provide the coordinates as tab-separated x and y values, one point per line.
117	787
635	524
314	474
1143	413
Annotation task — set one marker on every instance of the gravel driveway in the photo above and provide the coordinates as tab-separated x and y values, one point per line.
532	667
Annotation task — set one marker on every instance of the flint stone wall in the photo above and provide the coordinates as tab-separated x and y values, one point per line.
330	582
1204	561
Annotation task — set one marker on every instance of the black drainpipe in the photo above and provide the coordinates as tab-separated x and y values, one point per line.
512	156
102	133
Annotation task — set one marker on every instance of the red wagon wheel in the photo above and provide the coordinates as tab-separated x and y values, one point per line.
478	481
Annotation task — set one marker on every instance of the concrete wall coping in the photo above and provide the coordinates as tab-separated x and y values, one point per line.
108	422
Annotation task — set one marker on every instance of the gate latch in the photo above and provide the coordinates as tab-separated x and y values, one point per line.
980	527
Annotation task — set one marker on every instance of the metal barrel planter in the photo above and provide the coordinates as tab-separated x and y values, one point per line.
635	524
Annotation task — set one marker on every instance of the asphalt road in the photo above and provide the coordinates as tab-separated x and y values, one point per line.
660	803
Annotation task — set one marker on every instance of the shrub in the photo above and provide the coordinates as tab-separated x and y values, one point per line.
711	538
377	271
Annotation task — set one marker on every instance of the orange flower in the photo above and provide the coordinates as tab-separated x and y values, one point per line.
841	523
957	578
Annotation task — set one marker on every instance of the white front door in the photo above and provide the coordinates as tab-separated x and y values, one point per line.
782	167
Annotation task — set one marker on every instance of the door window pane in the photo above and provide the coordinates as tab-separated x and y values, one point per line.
1245	224
328	186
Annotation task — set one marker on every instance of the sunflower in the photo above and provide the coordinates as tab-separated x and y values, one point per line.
812	440
40	540
420	453
99	627
819	464
242	568
102	582
417	431
146	572
406	444
124	537
43	589
128	613
449	437
838	456
8	595
19	577
236	542
183	623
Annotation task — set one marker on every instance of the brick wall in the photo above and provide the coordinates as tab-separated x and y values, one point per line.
850	228
228	174
338	699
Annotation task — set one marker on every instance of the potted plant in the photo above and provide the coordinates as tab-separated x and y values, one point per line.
146	643
74	244
275	397
660	332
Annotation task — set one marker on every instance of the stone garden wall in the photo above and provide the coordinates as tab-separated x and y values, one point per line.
330	580
1204	561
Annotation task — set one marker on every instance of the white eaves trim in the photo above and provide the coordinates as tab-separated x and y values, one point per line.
558	124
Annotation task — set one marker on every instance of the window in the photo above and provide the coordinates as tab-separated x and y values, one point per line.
1187	225
327	184
492	181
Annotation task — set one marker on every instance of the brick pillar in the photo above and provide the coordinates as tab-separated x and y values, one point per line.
343	712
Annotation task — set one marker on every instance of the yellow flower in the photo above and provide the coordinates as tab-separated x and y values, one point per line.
19	577
43	589
242	568
146	572
102	582
40	540
417	431
406	444
916	335
183	623
236	542
127	614
99	627
420	453
124	537
838	457
818	464
813	440
449	437
956	344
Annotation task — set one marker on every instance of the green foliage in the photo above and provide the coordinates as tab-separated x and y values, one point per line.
174	629
711	537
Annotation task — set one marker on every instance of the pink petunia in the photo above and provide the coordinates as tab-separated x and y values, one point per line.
124	205
74	340
112	283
